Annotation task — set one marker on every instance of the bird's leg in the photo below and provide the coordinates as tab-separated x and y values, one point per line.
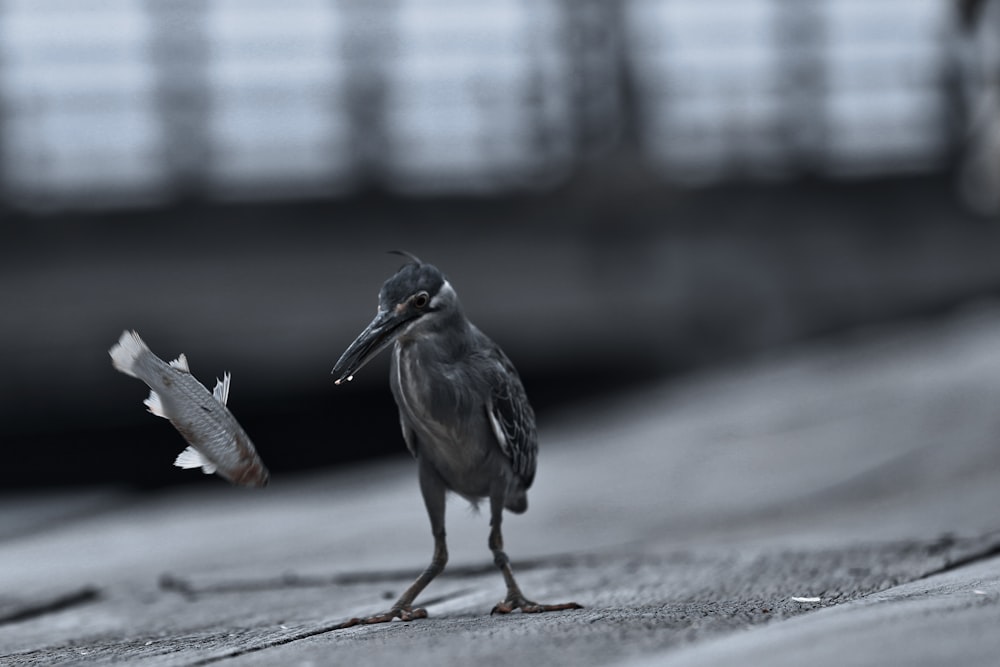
433	491
515	598
403	608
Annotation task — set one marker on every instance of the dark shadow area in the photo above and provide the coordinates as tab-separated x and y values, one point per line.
589	293
291	433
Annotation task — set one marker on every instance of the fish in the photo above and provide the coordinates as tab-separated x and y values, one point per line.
216	441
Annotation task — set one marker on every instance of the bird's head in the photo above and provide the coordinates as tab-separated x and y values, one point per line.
415	299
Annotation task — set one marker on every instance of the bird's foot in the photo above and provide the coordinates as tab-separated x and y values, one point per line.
516	601
402	613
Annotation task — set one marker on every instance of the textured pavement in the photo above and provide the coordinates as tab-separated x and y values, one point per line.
832	505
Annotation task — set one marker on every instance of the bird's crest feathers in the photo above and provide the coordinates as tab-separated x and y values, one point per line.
410	256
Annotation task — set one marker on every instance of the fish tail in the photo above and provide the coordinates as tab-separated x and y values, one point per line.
126	352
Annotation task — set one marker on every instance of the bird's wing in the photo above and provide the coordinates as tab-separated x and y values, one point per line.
512	418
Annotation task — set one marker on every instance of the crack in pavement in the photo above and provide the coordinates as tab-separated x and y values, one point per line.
191	590
24	610
990	549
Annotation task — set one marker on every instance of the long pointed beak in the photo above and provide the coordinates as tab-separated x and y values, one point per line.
376	337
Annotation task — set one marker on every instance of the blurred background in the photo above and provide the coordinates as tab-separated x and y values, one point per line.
620	191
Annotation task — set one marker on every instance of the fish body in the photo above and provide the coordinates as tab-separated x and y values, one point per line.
218	444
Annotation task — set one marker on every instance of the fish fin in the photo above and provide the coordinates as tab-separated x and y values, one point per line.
192	458
221	391
181	363
155	405
126	351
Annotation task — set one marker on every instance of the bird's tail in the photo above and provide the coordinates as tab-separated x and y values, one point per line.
517	501
125	354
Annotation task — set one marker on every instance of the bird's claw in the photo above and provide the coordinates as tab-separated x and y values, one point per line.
412	614
528	607
402	613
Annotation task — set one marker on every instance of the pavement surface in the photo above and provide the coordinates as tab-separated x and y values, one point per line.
831	505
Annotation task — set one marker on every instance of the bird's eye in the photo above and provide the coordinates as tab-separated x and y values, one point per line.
421	299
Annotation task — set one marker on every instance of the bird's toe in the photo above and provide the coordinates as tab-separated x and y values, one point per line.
529	607
402	613
562	606
503	607
412	614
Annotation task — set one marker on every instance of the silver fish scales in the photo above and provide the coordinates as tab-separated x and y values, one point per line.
218	444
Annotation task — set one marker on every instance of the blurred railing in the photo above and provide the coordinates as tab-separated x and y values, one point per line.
780	86
132	102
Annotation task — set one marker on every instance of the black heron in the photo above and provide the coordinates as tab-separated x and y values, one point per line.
464	414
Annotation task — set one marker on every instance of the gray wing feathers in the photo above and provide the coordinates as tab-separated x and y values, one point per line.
512	419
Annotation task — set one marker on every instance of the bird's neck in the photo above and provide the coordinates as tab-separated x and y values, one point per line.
447	339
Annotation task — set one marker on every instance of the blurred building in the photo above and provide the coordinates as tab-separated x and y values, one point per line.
109	103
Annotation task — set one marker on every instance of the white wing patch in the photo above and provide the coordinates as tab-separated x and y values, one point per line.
192	458
181	363
155	405
221	391
498	430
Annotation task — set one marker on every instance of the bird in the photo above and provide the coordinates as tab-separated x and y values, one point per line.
464	415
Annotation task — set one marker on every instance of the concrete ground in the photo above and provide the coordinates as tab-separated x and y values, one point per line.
831	505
